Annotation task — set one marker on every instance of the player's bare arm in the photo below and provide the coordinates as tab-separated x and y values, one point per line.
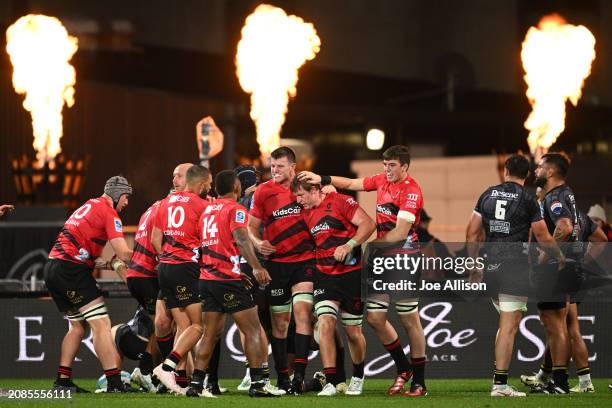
246	249
343	183
123	252
156	240
547	243
563	230
365	227
474	235
399	233
263	246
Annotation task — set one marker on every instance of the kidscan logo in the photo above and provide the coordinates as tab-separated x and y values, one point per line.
283	212
384	210
319	227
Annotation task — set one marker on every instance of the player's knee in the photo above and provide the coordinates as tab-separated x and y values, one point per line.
407	308
351	320
97	317
354	334
302	302
197	328
163	325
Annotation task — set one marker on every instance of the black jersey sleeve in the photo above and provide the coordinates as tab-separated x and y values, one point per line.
558	207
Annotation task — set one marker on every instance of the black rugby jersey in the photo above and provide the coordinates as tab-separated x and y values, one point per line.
561	203
507	212
141	324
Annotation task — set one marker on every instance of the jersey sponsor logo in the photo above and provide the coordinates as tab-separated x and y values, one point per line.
504	194
118	225
213	207
556	207
383	210
499	226
412	197
318	292
83	255
277	292
284	212
240	216
178	199
351	201
319	227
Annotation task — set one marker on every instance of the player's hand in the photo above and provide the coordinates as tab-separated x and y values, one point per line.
561	263
4	208
328	189
265	248
101	263
341	252
309	176
246	279
250	189
262	276
476	275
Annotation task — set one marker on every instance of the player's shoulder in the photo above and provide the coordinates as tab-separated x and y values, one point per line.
339	197
410	185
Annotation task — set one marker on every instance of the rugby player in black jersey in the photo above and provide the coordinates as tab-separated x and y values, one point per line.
505	213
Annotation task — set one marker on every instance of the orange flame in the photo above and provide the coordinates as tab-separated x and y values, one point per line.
272	49
40	50
557	59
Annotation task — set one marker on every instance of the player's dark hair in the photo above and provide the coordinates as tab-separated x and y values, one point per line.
303	184
196	173
283	151
397	152
560	162
225	181
518	166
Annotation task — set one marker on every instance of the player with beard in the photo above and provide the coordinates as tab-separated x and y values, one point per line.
288	249
223	287
505	213
68	276
338	226
175	238
398	205
554	282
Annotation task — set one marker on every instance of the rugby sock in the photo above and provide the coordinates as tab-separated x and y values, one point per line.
256	377
213	364
64	371
165	345
340	371
146	363
544	372
584	375
331	375
265	370
113	378
560	375
358	369
171	362
279	352
197	379
181	378
396	351
418	365
302	344
500	377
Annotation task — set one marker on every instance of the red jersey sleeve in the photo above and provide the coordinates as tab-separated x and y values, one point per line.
257	203
158	221
112	225
348	205
238	218
371	183
412	200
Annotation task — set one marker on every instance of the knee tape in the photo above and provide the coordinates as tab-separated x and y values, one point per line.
98	311
326	308
351	319
404	307
375	305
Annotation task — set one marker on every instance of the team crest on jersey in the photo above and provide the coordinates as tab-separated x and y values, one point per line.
118	225
240	216
556	207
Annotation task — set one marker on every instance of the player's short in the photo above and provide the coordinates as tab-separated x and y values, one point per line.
71	286
259	297
128	343
345	289
284	276
145	291
553	287
179	284
510	277
229	296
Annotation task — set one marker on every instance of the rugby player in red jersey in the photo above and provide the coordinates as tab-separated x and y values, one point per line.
68	276
398	207
338	226
223	287
288	248
175	238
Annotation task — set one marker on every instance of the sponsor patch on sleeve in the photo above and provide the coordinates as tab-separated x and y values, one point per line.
240	216
556	207
118	225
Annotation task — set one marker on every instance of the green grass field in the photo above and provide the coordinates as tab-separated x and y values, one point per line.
442	393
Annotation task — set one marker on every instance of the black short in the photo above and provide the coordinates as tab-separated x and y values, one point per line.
71	285
284	275
179	284
509	277
128	343
225	296
145	291
554	287
259	297
345	288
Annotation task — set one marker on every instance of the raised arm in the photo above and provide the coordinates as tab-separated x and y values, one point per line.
343	183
